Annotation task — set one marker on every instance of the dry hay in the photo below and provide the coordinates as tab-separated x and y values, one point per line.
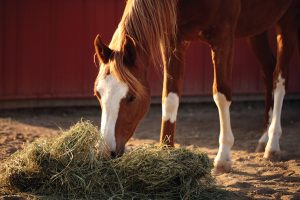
71	166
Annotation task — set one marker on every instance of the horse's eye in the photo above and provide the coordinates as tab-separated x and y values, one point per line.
130	98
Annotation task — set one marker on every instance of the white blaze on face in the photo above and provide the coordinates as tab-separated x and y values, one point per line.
226	138
111	91
275	131
170	107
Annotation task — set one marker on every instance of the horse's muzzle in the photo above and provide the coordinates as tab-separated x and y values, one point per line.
116	154
113	155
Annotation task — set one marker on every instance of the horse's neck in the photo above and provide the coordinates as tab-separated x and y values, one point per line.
143	60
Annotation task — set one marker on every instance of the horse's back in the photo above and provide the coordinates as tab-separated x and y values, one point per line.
255	16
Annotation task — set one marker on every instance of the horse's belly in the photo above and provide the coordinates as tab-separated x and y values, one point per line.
257	16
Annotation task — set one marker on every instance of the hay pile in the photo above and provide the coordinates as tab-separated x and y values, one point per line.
71	167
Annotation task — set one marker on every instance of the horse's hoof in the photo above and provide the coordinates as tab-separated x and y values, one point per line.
221	167
272	155
260	147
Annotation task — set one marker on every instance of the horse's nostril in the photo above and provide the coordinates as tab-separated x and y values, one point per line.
113	154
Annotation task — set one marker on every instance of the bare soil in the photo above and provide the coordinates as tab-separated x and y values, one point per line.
252	177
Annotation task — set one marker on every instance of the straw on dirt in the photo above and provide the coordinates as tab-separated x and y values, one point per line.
73	166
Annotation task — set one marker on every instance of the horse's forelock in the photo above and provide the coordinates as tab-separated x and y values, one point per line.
123	73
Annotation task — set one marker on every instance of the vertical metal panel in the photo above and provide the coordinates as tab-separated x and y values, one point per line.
198	74
34	48
47	52
9	43
1	47
47	46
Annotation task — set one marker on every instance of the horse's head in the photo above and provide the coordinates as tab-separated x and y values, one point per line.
123	92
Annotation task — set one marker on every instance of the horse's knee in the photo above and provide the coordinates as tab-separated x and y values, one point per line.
226	136
170	107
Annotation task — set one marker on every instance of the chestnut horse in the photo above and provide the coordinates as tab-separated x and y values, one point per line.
158	32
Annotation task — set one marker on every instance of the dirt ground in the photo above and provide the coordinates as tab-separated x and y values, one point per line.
252	177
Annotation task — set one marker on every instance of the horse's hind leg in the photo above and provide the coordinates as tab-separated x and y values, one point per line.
286	40
261	48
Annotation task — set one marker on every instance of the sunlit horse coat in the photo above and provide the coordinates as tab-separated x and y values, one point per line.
158	32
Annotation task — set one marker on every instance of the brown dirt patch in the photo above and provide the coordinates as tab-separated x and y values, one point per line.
252	176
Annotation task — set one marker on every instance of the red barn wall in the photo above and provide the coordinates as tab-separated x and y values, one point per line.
46	52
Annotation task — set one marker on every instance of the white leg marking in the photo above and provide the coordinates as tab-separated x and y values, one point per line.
111	91
170	107
275	130
226	138
264	138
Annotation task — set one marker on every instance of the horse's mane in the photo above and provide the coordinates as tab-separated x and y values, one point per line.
152	24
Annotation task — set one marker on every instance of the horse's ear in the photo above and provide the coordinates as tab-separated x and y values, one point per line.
103	52
129	49
96	60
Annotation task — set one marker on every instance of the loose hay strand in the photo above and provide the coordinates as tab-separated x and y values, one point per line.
74	166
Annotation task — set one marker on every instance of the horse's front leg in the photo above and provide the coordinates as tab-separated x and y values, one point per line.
172	87
222	54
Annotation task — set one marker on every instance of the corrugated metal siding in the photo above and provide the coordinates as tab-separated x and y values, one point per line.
46	51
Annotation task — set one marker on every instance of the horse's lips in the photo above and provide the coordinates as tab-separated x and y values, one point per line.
118	154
